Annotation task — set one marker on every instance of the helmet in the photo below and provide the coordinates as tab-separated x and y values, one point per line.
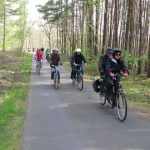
109	50
55	49
78	50
116	50
37	49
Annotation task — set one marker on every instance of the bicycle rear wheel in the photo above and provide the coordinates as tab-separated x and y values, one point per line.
80	81
56	80
38	68
121	106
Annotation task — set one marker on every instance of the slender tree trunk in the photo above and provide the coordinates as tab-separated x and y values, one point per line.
115	36
96	27
4	26
90	25
131	34
82	25
105	26
110	25
148	64
127	26
140	42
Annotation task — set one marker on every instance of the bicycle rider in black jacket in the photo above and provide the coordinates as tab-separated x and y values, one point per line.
103	60
78	59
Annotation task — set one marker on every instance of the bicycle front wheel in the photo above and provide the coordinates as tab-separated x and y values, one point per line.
102	98
80	81
56	80
121	106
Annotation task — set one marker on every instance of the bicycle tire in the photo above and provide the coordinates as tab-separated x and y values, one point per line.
56	80
80	81
121	103
38	68
73	81
102	99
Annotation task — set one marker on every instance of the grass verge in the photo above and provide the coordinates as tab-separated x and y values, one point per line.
15	74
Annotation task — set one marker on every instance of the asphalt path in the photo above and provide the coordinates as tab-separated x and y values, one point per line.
69	119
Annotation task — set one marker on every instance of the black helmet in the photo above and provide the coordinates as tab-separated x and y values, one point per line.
116	50
109	50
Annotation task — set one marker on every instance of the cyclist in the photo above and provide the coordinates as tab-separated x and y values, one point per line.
77	59
39	56
115	66
55	60
103	60
72	63
47	55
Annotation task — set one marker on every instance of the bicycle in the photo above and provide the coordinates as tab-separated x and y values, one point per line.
38	66
118	100
56	74
78	77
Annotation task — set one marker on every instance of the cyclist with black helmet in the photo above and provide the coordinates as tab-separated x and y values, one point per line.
103	60
55	60
115	67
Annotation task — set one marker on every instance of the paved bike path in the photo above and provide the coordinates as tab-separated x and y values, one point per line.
69	119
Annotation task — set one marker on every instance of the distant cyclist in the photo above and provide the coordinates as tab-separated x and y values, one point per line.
39	56
47	55
72	63
77	59
55	60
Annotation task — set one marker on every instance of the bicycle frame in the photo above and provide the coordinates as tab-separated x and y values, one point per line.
56	71
38	66
79	77
118	100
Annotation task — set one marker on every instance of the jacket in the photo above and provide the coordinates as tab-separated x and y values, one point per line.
39	55
55	59
78	59
103	60
116	66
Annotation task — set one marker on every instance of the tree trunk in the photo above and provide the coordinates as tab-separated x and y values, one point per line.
105	26
115	36
140	41
4	26
148	64
90	25
96	27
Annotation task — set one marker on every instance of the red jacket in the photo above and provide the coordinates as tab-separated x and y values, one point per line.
39	55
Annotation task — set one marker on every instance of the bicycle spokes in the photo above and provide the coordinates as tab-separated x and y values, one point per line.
121	106
80	81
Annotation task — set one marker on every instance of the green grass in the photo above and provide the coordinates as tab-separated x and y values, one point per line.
12	105
138	91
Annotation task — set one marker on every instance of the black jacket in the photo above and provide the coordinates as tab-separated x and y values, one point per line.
54	59
78	59
103	60
116	66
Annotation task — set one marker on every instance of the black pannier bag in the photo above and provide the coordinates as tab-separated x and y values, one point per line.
96	85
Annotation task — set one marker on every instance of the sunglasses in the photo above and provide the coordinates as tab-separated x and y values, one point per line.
118	54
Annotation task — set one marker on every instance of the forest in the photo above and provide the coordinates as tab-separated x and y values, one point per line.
92	25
